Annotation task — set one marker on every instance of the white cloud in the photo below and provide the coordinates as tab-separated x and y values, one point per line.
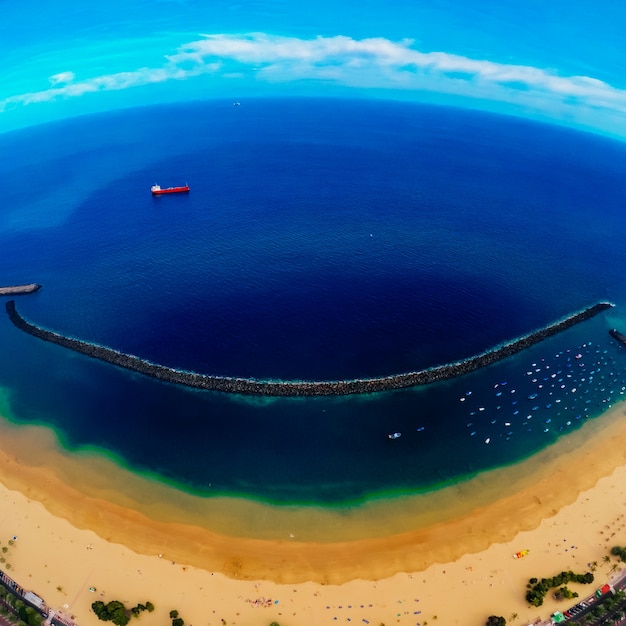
61	78
367	63
109	82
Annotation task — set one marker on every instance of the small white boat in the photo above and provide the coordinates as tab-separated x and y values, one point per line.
394	435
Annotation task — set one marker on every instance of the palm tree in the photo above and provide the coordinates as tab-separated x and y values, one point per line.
606	558
513	617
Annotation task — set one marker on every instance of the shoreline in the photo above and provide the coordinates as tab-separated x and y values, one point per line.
413	530
294	388
468	554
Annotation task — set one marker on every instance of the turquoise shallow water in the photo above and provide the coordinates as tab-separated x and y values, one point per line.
320	240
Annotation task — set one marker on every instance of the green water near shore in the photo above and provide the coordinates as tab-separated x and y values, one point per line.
101	475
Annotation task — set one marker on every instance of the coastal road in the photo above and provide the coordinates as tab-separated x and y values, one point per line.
619	584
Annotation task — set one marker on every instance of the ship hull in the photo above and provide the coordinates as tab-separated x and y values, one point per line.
161	192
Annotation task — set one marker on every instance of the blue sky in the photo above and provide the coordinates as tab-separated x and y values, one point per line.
550	60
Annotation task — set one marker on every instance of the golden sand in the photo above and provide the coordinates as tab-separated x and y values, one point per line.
83	522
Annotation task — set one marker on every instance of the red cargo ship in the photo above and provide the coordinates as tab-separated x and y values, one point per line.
157	191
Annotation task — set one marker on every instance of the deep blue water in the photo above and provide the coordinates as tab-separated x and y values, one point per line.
321	240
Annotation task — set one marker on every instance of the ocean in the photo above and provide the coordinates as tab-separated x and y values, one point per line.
321	240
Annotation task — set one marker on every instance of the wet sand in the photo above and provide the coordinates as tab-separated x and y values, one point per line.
84	522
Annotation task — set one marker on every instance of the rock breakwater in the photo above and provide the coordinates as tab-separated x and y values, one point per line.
251	386
620	337
19	289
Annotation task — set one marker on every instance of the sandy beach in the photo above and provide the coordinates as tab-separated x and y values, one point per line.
83	523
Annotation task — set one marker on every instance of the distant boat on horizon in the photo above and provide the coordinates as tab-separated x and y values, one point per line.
157	191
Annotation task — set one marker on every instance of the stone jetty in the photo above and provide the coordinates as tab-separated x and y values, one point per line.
19	289
620	337
294	388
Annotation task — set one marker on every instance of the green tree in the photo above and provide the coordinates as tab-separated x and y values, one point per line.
564	592
173	614
537	591
178	621
98	607
117	613
114	611
120	617
149	607
31	616
619	552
